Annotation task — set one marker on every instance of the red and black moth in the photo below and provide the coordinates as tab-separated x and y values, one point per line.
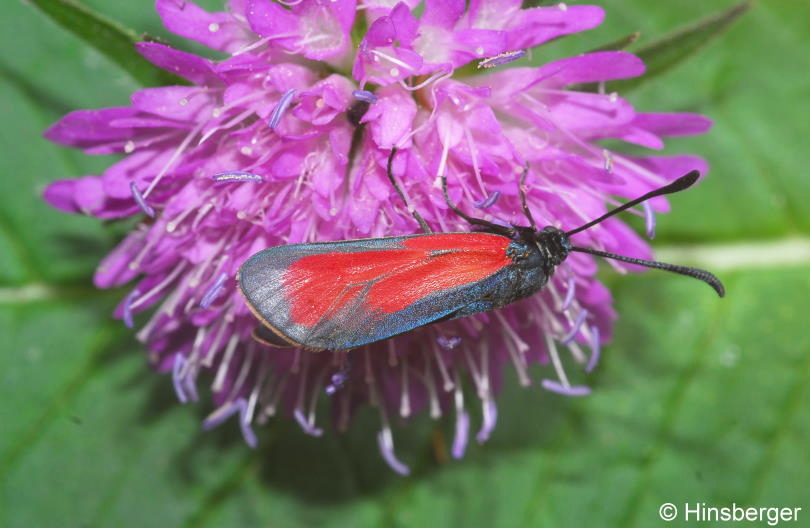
341	295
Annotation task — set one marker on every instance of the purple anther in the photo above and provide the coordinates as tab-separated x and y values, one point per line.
127	309
461	436
189	384
338	380
386	445
489	201
212	292
448	343
501	59
556	386
365	96
490	418
226	411
305	425
596	348
140	200
281	107
177	380
244	423
649	220
340	377
237	176
570	293
583	313
221	414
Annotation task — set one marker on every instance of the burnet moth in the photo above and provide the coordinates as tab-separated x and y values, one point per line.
341	295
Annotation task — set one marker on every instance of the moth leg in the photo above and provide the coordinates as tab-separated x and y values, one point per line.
411	208
522	194
488	226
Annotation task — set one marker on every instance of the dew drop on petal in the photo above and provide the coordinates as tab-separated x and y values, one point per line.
183	101
247	151
394	72
129	147
213	27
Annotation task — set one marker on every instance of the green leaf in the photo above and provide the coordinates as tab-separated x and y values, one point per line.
618	44
108	37
668	51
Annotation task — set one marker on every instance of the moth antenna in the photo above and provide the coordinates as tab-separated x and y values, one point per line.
411	208
684	182
697	273
522	194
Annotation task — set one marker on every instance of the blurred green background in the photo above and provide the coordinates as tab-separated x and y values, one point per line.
696	400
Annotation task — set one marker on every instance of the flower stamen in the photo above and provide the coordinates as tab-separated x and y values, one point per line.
219	379
141	200
365	96
462	430
213	291
489	412
502	58
228	409
489	201
570	293
649	220
177	380
385	441
280	108
595	349
566	390
405	395
128	306
583	313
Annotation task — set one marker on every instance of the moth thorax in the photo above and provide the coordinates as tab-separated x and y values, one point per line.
554	244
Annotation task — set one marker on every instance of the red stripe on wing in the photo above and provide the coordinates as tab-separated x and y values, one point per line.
317	286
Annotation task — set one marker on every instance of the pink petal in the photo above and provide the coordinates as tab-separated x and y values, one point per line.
88	128
60	194
189	66
532	27
391	117
492	14
593	67
587	111
680	124
442	13
219	30
181	103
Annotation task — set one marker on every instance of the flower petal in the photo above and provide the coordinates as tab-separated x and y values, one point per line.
532	27
391	118
89	128
220	30
187	65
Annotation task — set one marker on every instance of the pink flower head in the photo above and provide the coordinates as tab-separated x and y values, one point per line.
286	140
